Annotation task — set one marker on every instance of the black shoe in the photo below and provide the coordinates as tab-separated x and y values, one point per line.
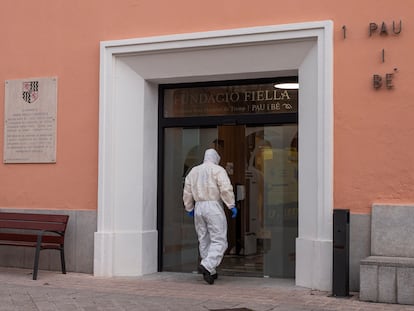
206	274
200	271
208	278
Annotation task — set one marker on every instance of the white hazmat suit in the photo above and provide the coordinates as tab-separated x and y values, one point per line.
208	185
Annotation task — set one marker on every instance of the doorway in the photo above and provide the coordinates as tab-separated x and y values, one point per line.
129	204
253	126
262	163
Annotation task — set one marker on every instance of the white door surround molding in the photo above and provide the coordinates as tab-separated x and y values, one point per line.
130	72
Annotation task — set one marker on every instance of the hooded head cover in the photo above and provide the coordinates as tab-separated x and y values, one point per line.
211	155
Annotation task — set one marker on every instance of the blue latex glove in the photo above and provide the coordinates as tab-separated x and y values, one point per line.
233	212
191	214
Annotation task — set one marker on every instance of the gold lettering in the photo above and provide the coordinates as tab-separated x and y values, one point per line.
284	95
234	97
259	107
194	98
203	98
248	96
220	98
267	95
275	106
211	99
260	95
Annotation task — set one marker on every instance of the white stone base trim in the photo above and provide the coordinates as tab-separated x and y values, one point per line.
314	264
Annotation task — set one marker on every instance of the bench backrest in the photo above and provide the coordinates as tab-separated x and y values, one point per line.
392	230
29	221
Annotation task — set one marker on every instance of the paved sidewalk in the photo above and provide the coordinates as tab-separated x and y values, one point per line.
165	291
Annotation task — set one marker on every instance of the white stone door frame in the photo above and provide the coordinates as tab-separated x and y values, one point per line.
130	72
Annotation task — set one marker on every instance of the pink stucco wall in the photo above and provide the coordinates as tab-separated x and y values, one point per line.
373	156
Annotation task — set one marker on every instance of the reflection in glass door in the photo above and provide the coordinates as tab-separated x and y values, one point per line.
262	164
272	177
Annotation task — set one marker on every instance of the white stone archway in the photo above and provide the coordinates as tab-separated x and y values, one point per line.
126	238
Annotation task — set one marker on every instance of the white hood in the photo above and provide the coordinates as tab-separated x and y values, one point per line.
211	155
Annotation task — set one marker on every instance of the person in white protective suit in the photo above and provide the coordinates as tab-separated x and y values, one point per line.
208	185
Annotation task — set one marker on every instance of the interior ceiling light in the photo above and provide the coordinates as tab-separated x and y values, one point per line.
287	86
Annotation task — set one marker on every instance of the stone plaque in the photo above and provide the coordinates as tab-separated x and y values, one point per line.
30	120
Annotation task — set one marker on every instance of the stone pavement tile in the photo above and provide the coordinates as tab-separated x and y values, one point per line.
166	291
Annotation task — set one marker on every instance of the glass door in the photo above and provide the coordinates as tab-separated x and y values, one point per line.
183	149
262	164
272	179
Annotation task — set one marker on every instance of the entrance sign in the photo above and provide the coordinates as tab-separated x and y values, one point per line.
30	121
229	100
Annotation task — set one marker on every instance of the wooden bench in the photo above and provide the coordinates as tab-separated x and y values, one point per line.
42	231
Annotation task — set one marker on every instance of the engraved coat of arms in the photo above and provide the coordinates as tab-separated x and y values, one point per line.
30	91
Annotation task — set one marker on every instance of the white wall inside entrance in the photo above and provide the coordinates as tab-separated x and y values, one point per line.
126	238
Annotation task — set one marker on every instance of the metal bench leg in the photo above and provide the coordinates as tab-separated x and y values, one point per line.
36	262
62	260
